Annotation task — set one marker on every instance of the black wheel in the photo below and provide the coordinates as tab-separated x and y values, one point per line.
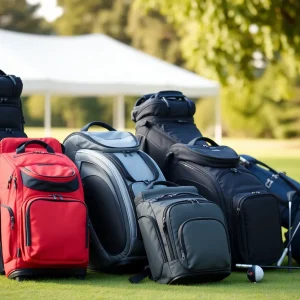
80	277
19	278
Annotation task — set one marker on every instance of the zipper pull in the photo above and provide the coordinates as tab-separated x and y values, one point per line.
238	211
9	181
12	220
256	192
15	183
182	255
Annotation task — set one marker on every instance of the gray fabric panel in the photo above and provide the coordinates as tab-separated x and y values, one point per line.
117	139
135	166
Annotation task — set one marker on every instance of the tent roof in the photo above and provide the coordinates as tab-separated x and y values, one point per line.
92	64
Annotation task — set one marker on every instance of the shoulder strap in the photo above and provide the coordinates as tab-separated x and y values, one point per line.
150	164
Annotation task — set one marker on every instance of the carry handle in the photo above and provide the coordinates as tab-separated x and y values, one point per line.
206	139
22	147
174	94
168	95
165	183
98	123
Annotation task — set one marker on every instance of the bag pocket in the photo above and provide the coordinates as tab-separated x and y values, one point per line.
50	177
11	117
8	233
258	227
203	245
55	231
154	245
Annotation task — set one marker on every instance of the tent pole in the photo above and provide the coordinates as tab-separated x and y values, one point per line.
218	121
47	116
119	113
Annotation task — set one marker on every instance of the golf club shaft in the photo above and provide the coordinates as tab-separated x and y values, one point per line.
267	267
287	247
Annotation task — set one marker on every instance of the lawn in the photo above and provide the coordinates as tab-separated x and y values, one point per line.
277	284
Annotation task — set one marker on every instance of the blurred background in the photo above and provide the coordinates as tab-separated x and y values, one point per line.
251	47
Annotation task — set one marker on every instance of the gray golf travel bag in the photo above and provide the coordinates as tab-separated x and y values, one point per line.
185	235
113	172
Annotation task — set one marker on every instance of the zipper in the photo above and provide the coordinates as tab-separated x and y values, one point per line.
165	227
54	199
11	214
158	234
36	152
159	198
9	181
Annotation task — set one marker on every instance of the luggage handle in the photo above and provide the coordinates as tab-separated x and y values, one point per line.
22	147
206	139
98	123
165	183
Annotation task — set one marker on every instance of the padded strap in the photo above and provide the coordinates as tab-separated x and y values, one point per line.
258	162
98	123
202	138
165	183
21	148
137	278
150	164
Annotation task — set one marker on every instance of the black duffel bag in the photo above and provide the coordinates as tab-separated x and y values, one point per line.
11	114
163	119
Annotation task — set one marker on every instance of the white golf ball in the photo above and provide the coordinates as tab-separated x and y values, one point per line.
255	273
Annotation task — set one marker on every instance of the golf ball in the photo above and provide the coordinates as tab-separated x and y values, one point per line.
255	273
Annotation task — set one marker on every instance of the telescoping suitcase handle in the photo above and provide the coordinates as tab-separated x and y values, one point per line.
165	183
206	139
22	147
98	123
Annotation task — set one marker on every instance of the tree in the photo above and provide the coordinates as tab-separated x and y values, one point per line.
220	37
90	16
153	34
18	15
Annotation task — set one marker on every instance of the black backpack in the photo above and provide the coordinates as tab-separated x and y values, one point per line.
163	119
11	114
251	211
185	236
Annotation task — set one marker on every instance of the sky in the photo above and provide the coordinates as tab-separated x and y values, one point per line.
49	9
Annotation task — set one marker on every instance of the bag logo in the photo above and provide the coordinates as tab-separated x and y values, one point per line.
269	183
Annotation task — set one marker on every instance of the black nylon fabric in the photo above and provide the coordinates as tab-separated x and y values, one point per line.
163	106
10	86
180	246
11	132
205	155
221	185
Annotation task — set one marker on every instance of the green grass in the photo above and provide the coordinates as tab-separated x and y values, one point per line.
277	284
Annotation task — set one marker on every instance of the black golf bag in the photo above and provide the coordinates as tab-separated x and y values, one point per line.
252	213
162	120
11	115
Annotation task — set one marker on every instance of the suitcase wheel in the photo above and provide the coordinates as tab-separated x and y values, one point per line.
19	278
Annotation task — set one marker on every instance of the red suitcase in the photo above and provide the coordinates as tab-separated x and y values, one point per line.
44	220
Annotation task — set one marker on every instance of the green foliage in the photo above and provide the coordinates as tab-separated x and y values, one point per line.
218	36
153	34
90	16
18	15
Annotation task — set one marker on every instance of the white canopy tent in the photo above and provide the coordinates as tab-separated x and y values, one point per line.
93	65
